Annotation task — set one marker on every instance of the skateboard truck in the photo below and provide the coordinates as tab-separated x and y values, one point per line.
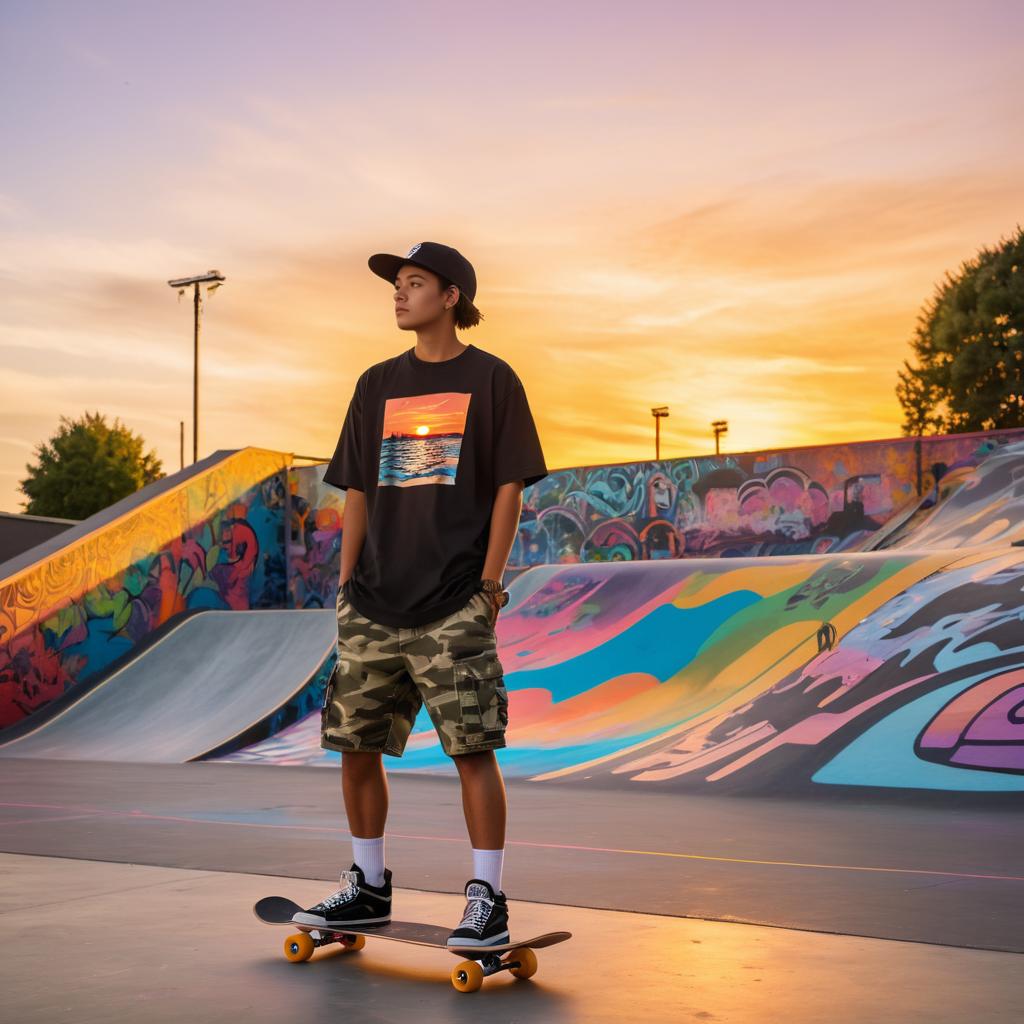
469	975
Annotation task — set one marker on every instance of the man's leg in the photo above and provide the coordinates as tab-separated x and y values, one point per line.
364	786
458	673
485	807
365	789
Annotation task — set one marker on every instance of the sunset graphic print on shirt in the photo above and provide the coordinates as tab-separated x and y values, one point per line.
422	439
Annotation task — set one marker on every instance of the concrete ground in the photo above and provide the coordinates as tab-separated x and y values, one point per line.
92	941
929	874
126	894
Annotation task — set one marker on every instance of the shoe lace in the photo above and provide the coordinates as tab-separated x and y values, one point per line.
478	909
349	889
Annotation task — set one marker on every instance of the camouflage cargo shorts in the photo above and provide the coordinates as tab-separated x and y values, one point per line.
386	673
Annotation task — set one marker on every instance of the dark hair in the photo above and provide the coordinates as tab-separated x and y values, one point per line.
466	314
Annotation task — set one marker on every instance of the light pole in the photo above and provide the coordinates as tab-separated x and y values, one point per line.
719	427
658	412
213	278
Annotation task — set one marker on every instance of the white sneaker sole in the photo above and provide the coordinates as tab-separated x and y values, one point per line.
494	940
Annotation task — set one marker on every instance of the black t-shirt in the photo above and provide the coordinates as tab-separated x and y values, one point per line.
429	444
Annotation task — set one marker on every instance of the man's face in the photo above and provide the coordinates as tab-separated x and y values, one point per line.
419	300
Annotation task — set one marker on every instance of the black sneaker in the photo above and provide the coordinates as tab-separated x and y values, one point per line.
356	902
485	921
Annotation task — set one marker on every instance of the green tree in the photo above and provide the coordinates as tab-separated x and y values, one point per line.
86	466
969	343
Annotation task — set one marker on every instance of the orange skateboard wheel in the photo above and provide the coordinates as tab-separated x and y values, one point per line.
298	947
527	962
467	976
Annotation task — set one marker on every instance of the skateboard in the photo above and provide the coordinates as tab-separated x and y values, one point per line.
467	976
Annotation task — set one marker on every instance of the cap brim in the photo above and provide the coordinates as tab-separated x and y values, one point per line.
387	265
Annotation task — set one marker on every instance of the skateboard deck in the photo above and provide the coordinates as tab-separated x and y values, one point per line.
467	976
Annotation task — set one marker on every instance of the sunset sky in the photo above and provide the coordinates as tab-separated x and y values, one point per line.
443	413
733	209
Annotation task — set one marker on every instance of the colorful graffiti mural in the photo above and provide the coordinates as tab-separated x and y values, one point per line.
980	504
799	501
648	640
898	668
214	542
946	645
749	675
317	516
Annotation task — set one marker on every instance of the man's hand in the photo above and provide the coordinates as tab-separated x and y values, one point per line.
495	607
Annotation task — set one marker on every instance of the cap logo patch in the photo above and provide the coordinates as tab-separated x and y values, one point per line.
413	250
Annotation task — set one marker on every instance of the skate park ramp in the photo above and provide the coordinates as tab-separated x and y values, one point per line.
77	605
981	504
213	680
781	675
897	669
786	673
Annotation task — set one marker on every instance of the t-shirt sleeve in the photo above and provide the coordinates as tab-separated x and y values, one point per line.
345	469
517	450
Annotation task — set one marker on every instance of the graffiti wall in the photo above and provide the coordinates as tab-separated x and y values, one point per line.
800	501
214	542
753	675
317	514
981	504
897	668
648	641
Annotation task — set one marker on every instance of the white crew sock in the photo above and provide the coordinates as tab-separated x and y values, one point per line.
487	866
369	857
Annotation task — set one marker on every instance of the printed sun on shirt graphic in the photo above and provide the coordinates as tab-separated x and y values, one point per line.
422	439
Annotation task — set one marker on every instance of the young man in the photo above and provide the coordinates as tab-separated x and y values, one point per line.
436	448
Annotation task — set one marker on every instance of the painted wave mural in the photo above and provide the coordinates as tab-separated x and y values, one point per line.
896	668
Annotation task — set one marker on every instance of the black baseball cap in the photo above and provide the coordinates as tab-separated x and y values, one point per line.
441	259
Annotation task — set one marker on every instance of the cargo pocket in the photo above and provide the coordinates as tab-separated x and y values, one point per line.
483	699
329	695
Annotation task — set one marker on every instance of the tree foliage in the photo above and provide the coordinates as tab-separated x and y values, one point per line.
969	343
86	466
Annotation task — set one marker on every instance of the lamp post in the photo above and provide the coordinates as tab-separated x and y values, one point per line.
214	279
658	412
719	427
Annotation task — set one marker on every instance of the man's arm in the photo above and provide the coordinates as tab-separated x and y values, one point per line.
508	505
353	531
